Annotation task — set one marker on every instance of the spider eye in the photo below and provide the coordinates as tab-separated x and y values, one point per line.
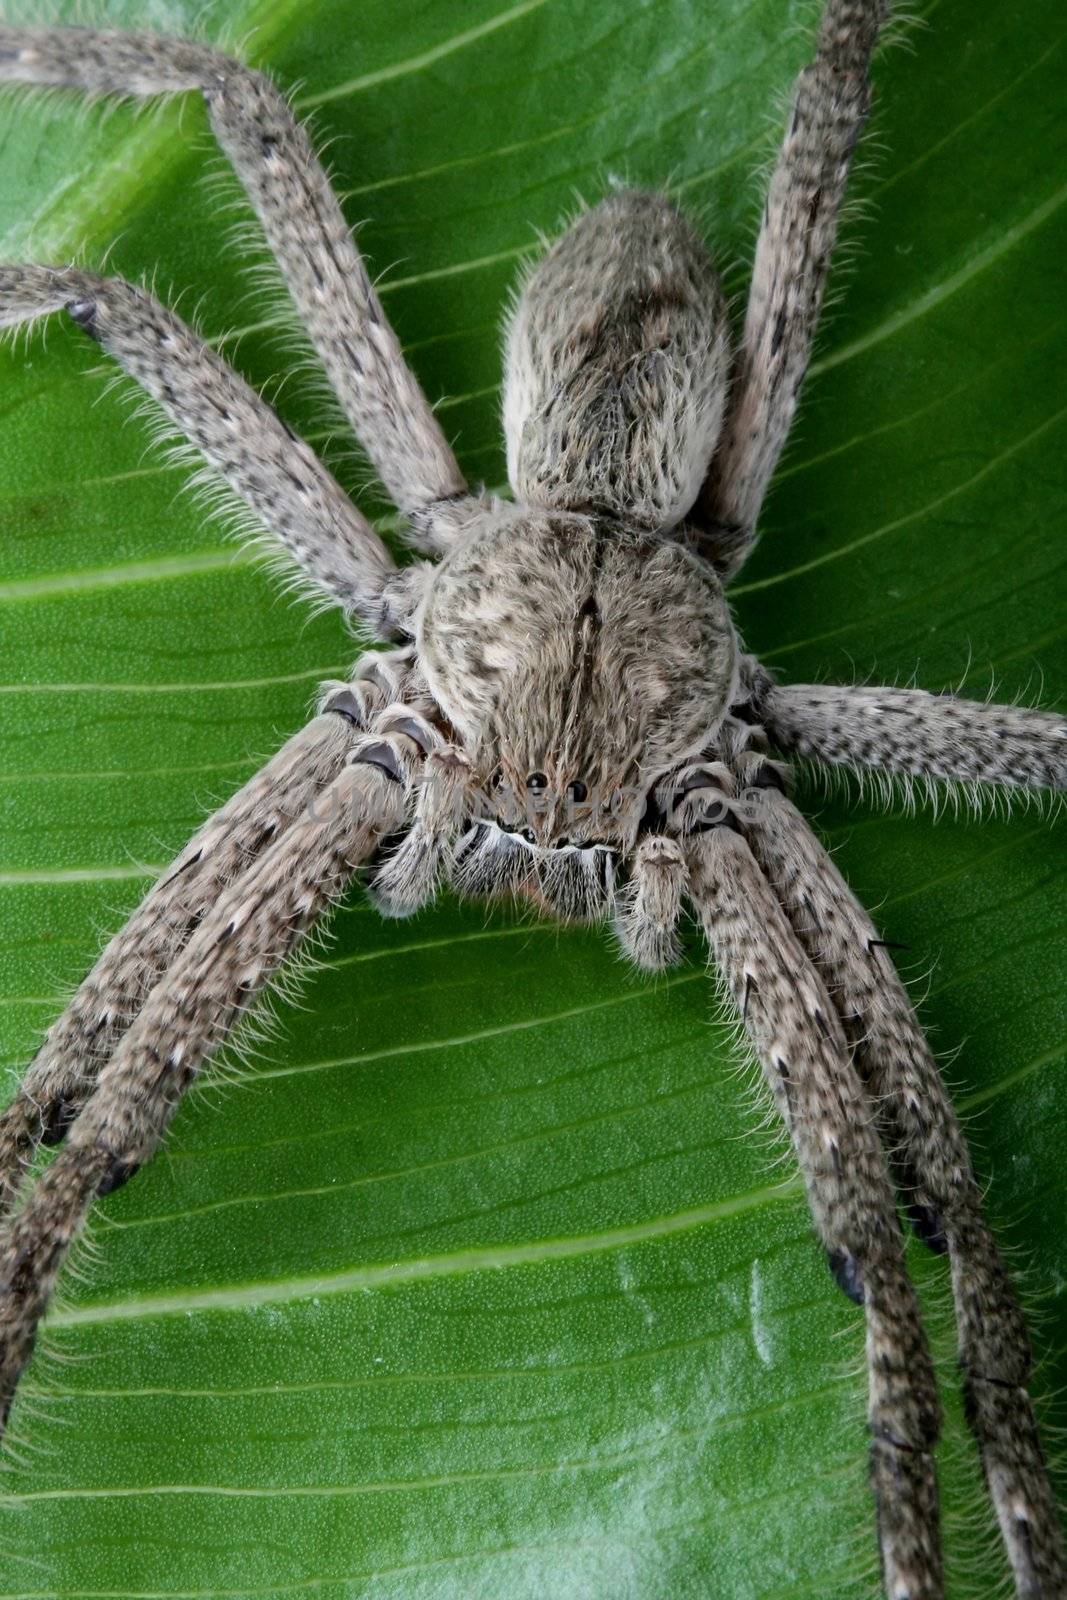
529	835
537	782
562	842
577	791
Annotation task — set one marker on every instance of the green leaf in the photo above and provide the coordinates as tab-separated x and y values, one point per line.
481	1282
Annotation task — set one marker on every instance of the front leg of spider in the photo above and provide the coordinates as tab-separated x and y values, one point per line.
568	720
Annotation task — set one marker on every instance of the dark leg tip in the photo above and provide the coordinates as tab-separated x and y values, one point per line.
83	313
929	1228
768	777
344	704
382	756
20	1277
57	1121
118	1173
846	1272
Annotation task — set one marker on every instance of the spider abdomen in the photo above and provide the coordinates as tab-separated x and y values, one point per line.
617	364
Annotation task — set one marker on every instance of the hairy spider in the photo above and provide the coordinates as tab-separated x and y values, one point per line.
567	717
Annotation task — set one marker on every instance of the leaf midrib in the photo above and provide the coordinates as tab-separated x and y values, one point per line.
356	1279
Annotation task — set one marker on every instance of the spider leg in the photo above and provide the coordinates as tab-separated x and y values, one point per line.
934	1170
82	1039
917	734
802	1049
76	1045
304	225
831	102
277	475
206	990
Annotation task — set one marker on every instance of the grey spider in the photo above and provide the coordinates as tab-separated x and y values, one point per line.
567	716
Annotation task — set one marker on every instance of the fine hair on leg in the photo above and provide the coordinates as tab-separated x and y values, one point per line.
301	218
831	102
801	1047
212	983
933	1170
918	734
83	1037
278	476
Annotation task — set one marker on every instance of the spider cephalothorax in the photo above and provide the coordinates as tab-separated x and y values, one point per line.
568	719
541	644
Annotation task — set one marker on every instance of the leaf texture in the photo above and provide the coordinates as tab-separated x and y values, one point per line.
482	1278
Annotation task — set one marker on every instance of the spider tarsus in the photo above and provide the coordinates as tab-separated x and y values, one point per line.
845	1270
906	1503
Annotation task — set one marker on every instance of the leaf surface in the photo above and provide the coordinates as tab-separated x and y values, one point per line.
481	1281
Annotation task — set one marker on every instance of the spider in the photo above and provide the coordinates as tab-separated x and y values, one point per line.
566	715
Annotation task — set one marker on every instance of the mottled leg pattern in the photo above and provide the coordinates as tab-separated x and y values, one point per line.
258	455
65	1067
206	990
917	734
934	1174
801	1046
830	106
106	1002
303	222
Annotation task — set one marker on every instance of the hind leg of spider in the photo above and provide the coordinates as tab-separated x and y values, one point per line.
937	1182
206	990
305	228
831	102
918	735
82	1039
801	1046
